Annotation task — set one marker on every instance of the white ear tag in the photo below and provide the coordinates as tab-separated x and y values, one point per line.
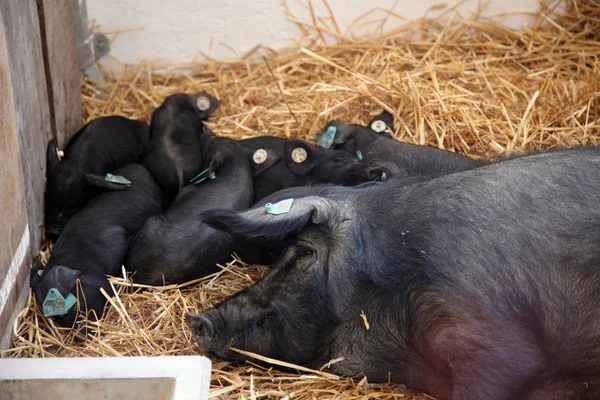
378	126
203	103
260	156
60	154
299	155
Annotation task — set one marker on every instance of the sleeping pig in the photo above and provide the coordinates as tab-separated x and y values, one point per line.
173	155
100	147
175	246
374	146
482	284
94	243
280	163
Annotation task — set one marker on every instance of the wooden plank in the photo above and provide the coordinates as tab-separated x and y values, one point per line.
14	233
59	46
30	99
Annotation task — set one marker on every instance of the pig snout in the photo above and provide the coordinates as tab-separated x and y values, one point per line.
203	328
375	174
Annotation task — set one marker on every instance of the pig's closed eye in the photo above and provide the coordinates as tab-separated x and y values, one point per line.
305	257
338	163
304	252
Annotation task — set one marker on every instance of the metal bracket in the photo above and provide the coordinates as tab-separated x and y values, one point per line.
91	46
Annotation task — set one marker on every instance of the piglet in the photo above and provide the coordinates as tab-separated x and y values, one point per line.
100	147
280	163
94	244
175	246
374	146
173	155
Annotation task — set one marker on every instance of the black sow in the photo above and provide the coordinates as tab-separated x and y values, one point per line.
483	284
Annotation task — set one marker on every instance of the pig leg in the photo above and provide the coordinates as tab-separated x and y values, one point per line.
561	388
487	356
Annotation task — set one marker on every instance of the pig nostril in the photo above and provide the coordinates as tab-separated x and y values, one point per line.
201	325
376	174
207	327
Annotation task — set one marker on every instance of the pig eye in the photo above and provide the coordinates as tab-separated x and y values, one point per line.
338	162
304	253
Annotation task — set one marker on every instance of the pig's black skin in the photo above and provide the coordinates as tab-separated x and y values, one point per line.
175	246
483	284
102	146
398	159
174	150
321	166
95	240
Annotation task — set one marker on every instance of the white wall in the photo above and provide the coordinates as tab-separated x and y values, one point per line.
178	30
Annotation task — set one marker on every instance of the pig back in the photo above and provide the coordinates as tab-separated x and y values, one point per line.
100	232
108	143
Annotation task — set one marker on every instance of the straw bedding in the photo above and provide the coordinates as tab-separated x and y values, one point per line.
470	86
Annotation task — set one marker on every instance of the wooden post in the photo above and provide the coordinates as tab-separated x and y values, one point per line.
59	45
30	97
40	96
15	246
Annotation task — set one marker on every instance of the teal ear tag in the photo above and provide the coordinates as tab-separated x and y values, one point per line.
383	177
201	177
282	207
118	179
55	304
325	139
359	155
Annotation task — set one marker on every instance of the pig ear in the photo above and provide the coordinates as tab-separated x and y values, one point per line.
218	159
380	123
336	132
206	104
99	181
344	133
299	157
52	160
272	221
263	159
59	277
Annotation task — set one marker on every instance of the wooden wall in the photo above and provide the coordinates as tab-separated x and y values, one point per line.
61	66
39	98
14	232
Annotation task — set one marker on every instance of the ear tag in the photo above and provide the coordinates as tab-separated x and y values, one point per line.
118	179
378	126
59	154
260	156
55	304
282	207
201	177
299	155
359	155
203	103
325	139
383	177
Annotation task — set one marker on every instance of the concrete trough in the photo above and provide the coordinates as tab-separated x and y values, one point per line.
123	378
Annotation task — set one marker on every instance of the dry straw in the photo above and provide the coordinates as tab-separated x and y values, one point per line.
471	86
